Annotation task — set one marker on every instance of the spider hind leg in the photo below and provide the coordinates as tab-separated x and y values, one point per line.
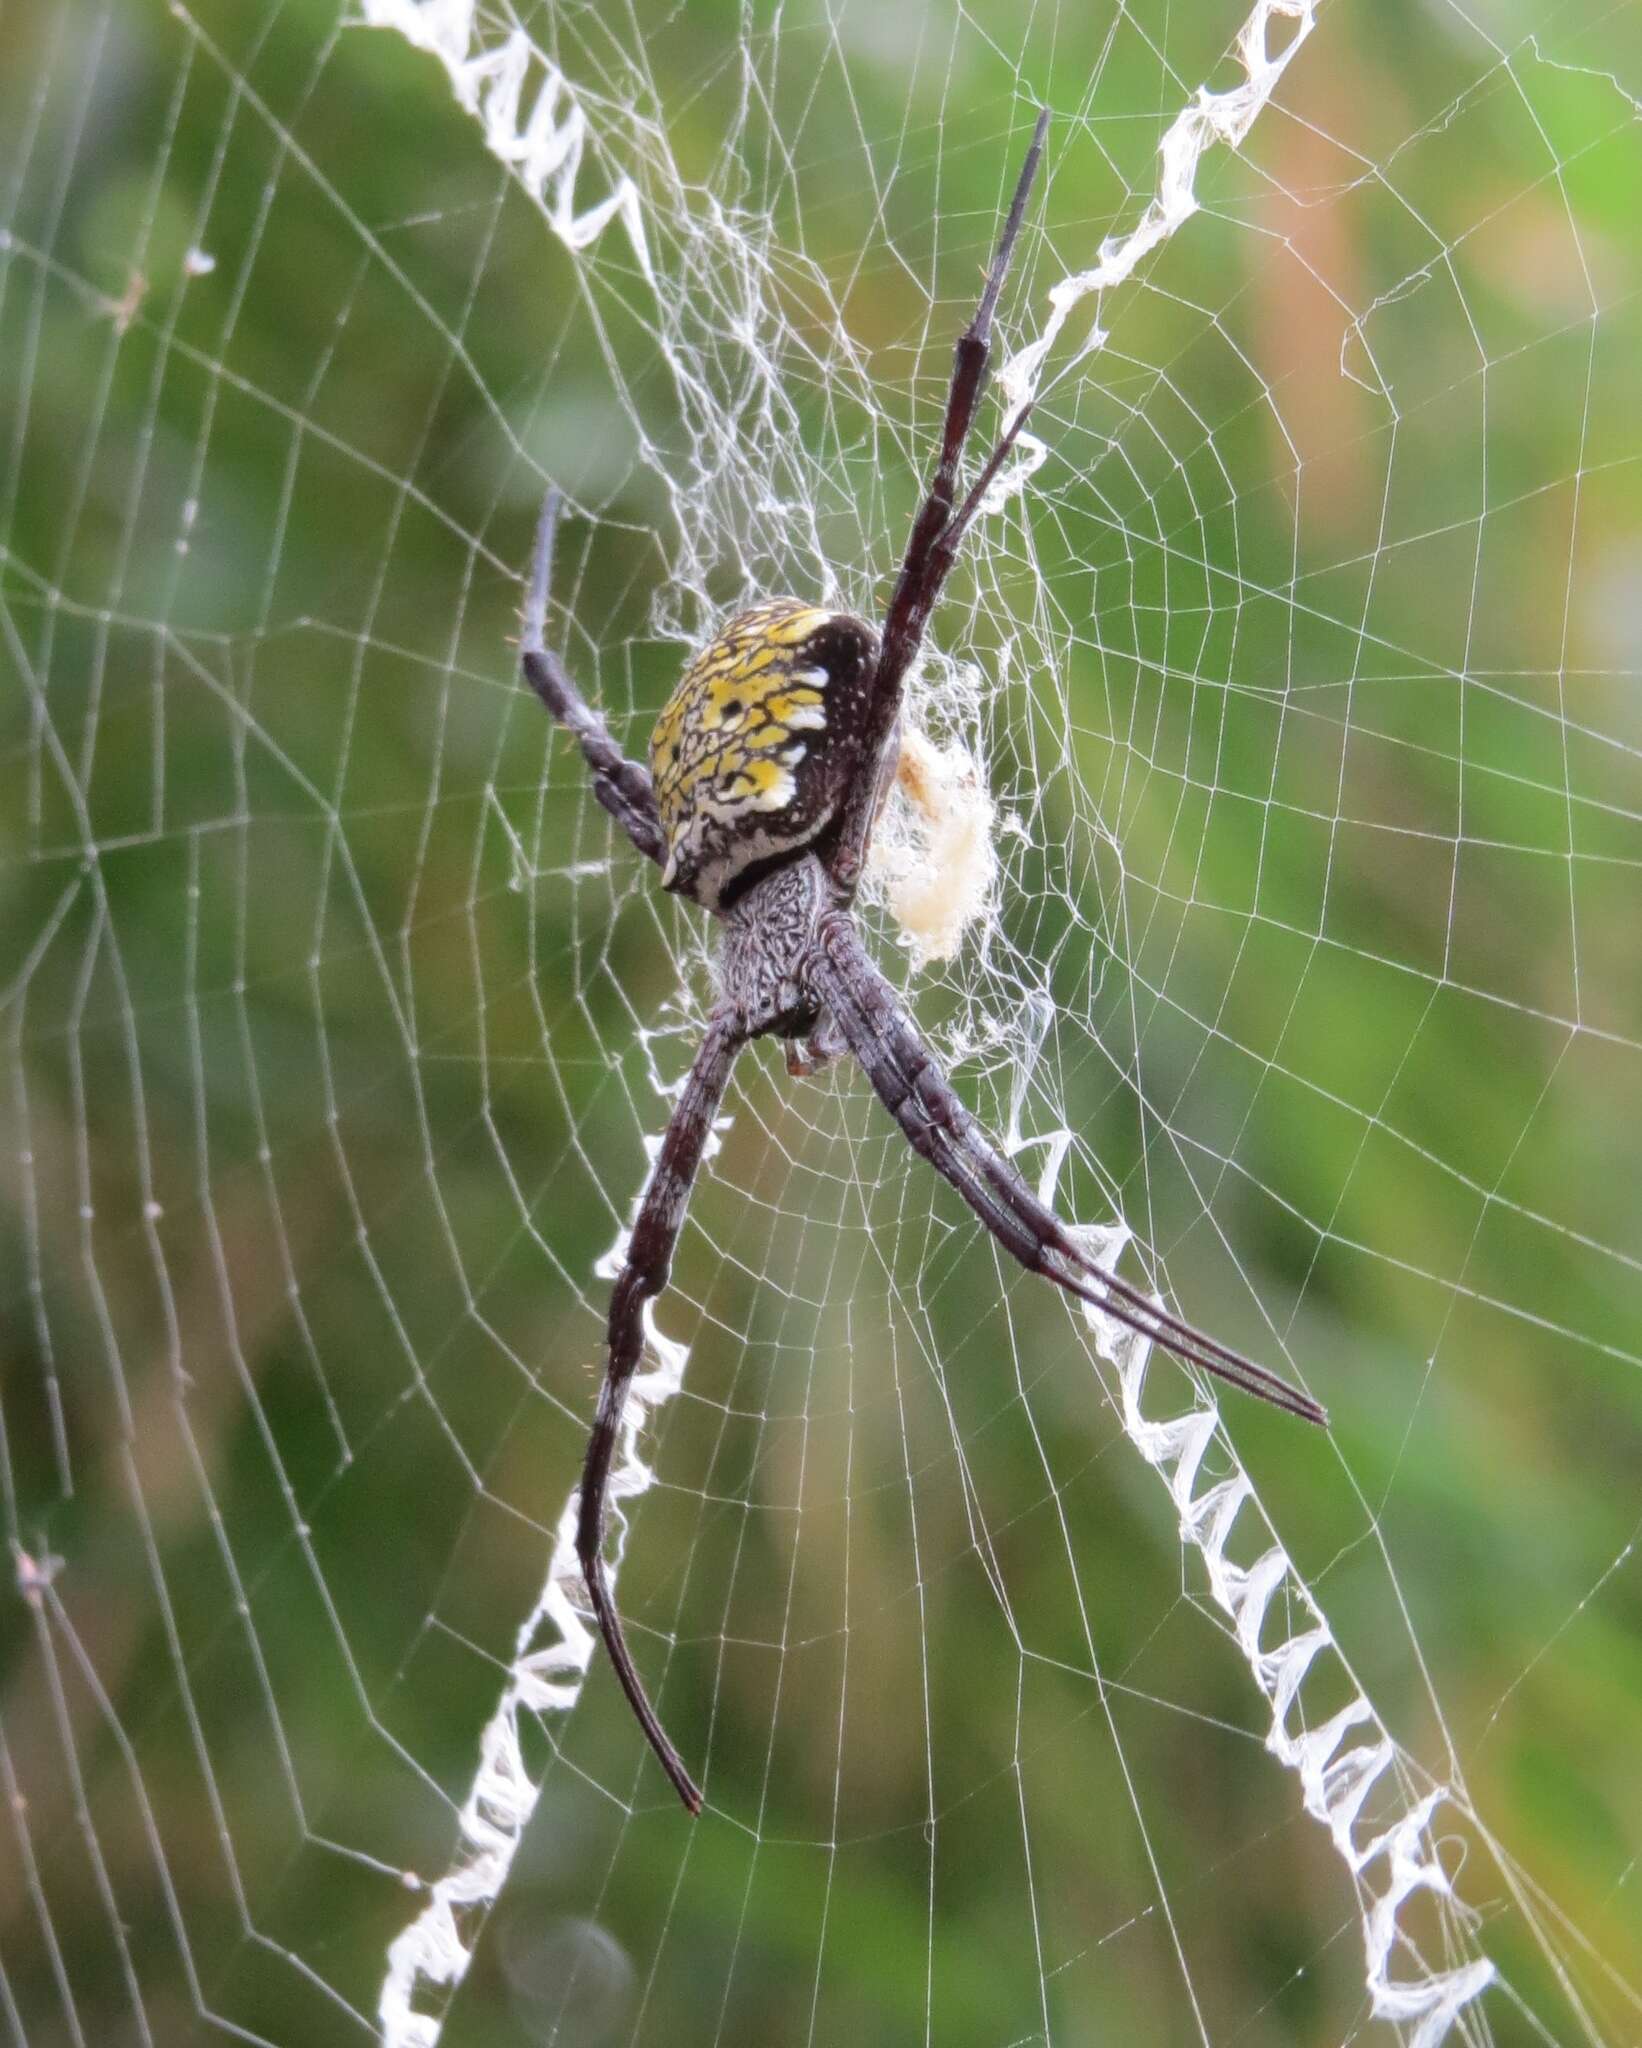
938	527
622	786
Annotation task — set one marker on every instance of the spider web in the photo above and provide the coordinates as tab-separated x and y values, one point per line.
1282	722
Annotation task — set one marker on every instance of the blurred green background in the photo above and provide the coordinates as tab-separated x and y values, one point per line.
334	1019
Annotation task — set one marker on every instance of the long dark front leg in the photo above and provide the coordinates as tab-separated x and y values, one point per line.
909	1082
622	786
649	1255
936	531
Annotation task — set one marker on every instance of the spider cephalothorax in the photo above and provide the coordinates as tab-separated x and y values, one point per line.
755	748
768	767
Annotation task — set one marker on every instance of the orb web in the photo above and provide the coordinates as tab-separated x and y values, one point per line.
1263	873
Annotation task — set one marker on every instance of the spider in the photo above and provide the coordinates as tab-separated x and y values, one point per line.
768	767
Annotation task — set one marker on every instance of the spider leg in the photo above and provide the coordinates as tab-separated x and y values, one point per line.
622	786
643	1275
909	1082
937	529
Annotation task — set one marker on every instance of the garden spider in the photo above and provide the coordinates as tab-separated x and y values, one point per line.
768	768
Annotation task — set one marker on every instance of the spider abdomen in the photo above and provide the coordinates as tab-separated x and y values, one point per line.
754	750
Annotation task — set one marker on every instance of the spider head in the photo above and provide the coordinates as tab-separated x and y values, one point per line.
755	749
